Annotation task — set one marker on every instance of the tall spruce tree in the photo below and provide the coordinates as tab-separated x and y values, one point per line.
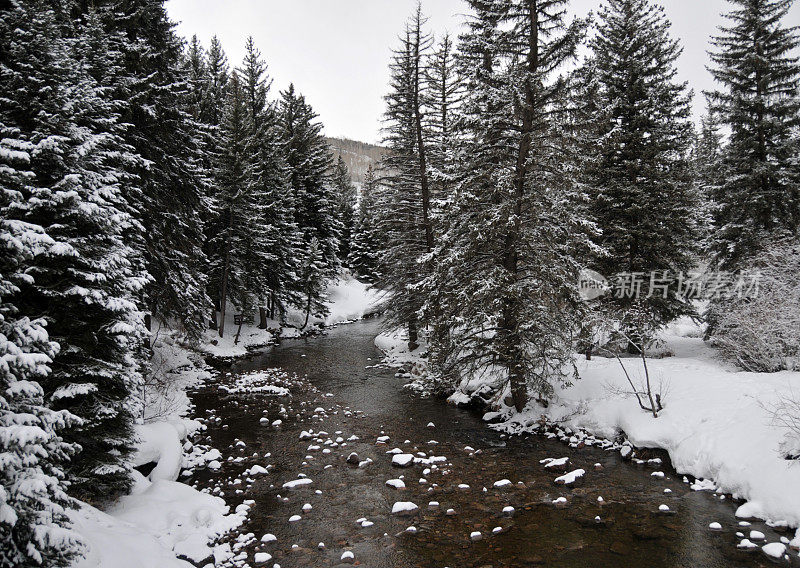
87	288
34	529
643	198
236	221
758	72
505	272
345	193
367	241
309	160
216	83
273	242
170	195
441	96
405	195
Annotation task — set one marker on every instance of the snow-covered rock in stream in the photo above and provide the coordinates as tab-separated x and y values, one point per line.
774	549
396	483
402	460
404	508
297	483
571	478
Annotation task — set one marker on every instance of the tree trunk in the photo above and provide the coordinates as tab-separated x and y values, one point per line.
413	335
513	349
226	266
262	315
308	312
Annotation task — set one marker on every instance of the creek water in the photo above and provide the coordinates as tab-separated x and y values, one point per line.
341	390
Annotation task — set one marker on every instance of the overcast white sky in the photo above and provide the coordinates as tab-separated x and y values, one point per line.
336	52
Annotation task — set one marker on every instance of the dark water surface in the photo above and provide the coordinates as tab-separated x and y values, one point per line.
369	402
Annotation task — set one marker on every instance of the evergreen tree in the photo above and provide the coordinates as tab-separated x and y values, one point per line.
232	194
196	72
708	170
405	197
367	242
755	65
345	207
441	97
34	528
308	159
504	271
312	281
272	243
216	83
87	288
170	195
643	199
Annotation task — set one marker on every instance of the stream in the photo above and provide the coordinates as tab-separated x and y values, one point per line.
339	394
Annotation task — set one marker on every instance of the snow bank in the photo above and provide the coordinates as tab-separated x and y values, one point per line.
717	422
184	520
152	526
112	543
394	345
251	336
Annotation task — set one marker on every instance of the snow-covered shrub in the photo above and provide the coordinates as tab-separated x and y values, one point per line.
762	333
786	415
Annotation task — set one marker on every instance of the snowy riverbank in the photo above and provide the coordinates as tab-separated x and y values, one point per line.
718	423
348	299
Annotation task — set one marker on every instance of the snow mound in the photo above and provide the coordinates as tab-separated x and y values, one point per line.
183	519
159	442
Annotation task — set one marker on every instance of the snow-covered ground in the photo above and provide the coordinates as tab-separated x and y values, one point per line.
718	423
152	526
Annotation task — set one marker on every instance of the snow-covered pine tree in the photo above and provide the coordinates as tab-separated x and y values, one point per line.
312	280
216	83
272	242
405	194
441	97
172	185
309	160
643	198
708	171
195	71
505	267
86	289
345	193
367	241
231	193
758	72
34	528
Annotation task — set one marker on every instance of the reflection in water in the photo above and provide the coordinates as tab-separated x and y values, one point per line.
629	532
